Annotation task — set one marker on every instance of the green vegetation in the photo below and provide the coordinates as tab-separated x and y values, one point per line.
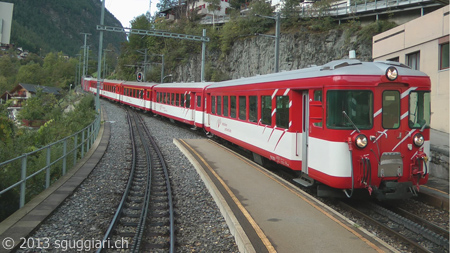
54	70
15	141
55	26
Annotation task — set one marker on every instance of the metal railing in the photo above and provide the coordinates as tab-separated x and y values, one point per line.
48	163
361	6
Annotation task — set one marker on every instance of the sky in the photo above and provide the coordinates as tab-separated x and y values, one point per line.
126	10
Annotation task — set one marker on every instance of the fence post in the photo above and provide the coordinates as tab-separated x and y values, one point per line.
65	157
23	178
88	140
75	146
47	171
82	144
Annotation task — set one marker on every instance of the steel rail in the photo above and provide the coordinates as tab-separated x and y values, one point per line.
125	194
168	186
137	239
417	246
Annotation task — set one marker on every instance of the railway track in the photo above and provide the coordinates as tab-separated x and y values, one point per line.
419	234
145	216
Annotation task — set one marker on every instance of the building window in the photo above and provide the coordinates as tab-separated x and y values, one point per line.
396	59
413	60
444	56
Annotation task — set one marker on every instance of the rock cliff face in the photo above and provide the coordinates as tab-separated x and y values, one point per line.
255	55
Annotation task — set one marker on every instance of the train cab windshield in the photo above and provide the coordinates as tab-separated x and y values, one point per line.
419	109
357	105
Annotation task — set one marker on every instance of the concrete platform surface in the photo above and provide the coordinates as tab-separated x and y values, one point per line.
274	217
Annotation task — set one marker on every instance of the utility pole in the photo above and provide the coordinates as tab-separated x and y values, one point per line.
99	64
203	57
277	38
84	53
104	61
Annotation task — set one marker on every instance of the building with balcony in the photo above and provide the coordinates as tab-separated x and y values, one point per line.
19	94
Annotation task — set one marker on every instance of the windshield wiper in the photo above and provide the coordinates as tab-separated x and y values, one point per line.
343	112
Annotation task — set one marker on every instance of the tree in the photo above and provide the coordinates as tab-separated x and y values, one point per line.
38	107
31	73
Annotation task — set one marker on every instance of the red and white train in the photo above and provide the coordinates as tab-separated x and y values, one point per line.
347	125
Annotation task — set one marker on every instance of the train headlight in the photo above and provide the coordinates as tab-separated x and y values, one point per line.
361	141
418	140
391	73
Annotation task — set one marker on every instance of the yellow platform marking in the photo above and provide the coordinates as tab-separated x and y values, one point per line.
255	226
434	189
305	199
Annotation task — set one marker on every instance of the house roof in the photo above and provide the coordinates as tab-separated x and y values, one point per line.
5	95
32	88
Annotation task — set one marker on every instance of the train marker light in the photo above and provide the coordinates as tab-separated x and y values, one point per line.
361	141
418	140
391	73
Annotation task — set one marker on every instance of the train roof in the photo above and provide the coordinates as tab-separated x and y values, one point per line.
200	85
138	84
338	67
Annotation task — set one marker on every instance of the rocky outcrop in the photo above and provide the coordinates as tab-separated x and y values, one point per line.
255	55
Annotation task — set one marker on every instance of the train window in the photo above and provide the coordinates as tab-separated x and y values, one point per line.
219	105
419	109
213	105
266	110
225	106
242	107
282	115
199	101
177	99
233	106
172	100
357	105
188	100
318	97
148	94
182	99
253	108
391	109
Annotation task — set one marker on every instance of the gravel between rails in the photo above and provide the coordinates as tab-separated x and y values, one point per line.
83	218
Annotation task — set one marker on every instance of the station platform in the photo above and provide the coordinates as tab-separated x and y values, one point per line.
266	214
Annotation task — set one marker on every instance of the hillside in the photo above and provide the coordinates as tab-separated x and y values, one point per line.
55	25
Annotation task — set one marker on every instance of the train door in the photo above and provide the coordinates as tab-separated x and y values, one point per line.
305	131
391	132
198	112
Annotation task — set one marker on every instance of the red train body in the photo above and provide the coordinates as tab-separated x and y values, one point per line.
348	125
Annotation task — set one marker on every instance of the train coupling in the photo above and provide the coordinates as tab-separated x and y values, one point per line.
390	190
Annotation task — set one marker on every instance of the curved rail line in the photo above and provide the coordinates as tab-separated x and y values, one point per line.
147	195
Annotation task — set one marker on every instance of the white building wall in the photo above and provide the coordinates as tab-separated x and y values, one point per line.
424	35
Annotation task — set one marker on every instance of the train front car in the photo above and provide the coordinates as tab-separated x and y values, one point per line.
376	119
